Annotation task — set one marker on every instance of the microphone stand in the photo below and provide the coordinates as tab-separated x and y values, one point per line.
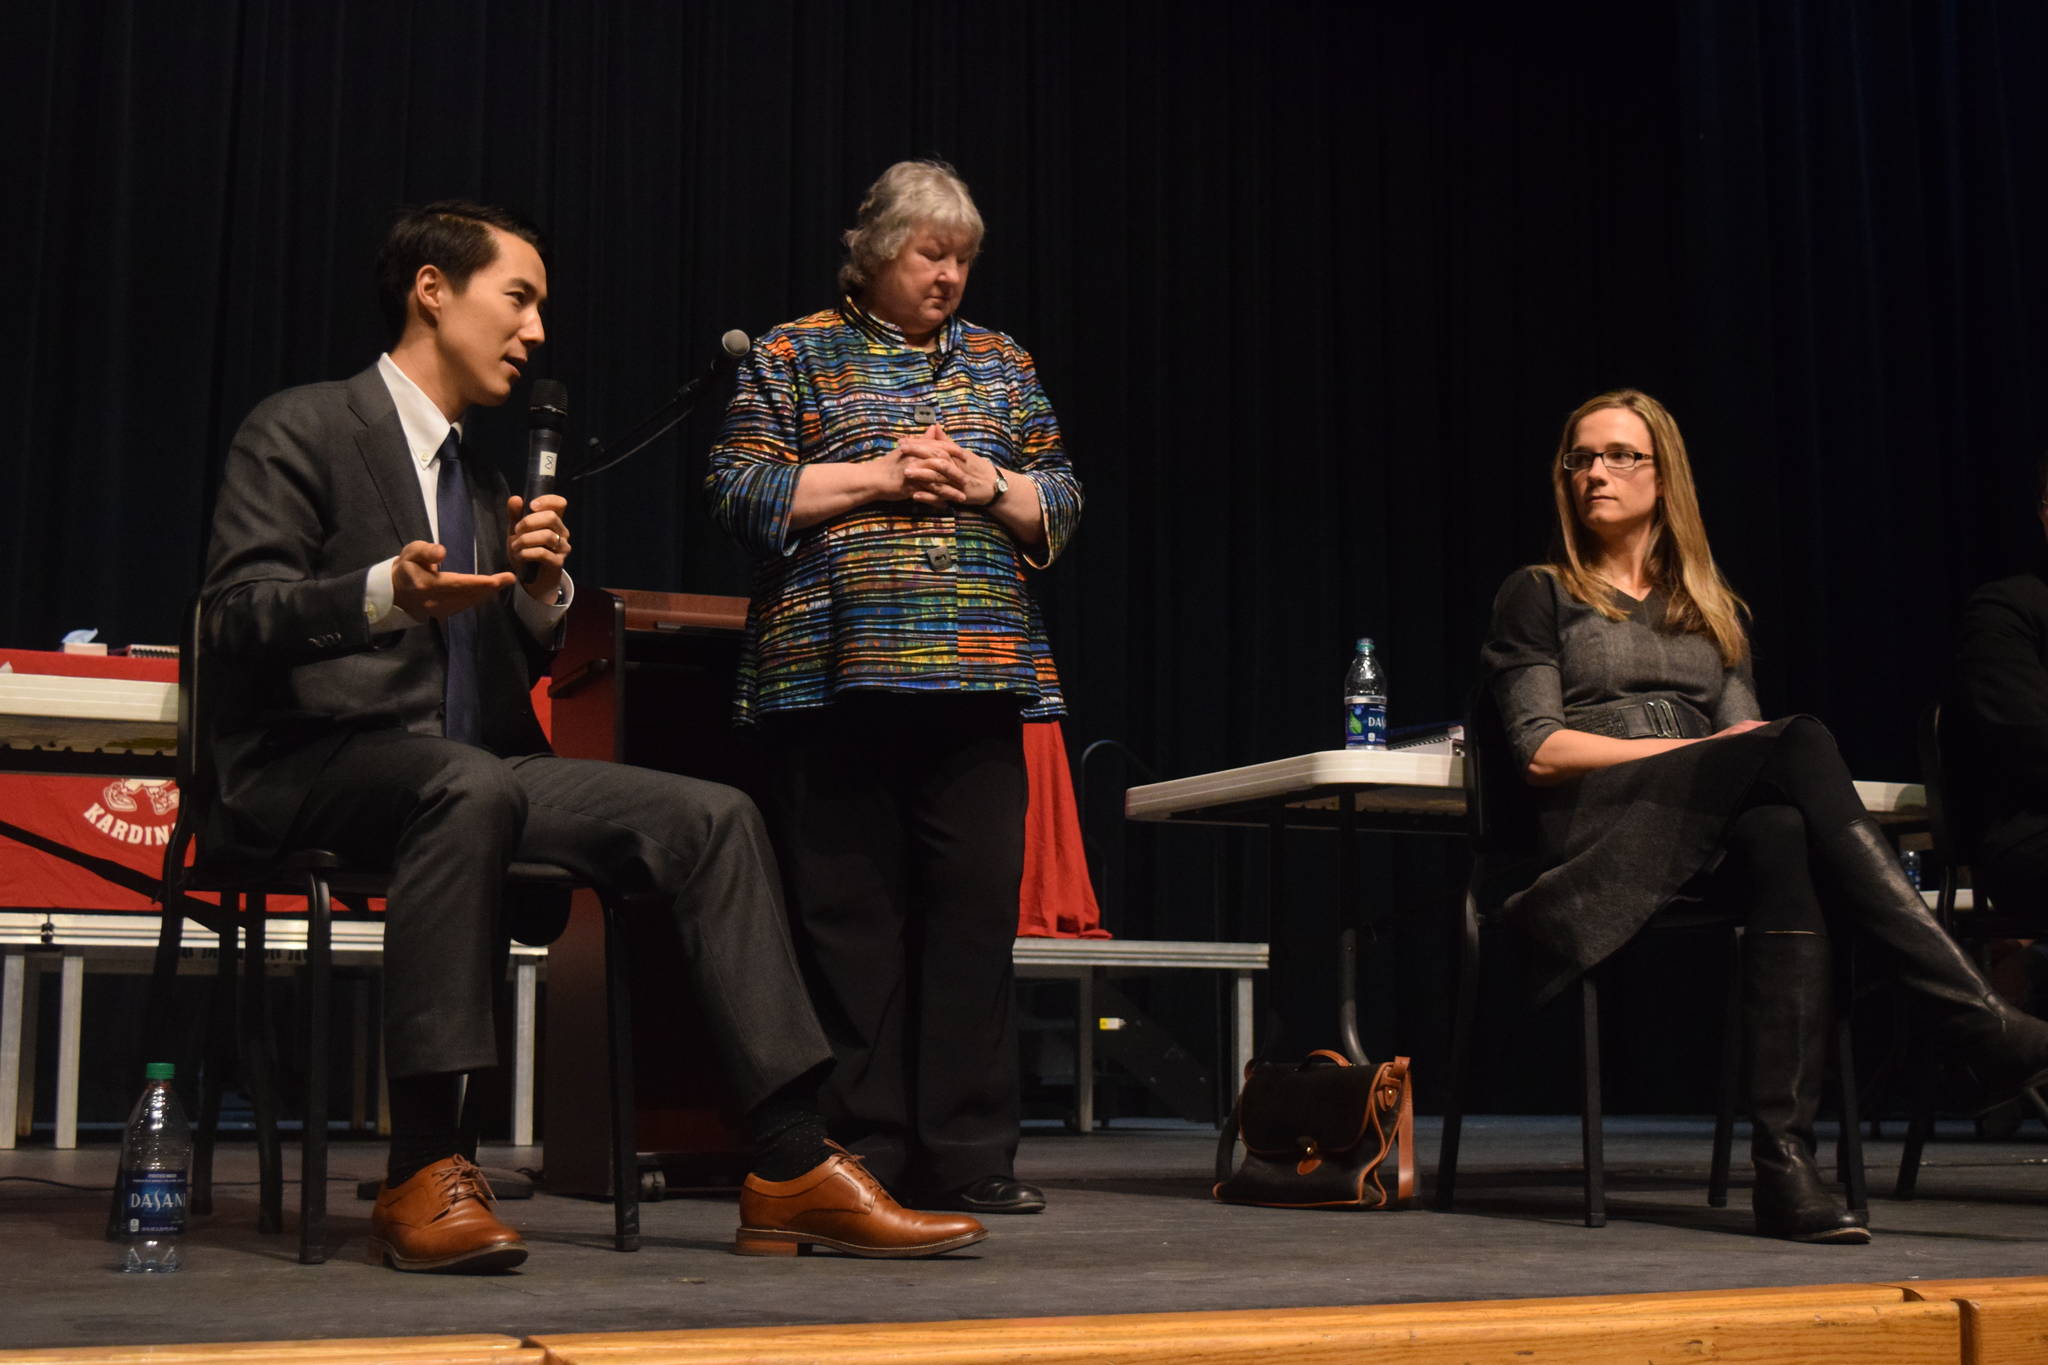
648	429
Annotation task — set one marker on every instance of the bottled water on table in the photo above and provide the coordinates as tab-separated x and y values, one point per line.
1365	700
156	1160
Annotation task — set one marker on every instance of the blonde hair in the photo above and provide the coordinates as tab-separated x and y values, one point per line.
908	196
1698	600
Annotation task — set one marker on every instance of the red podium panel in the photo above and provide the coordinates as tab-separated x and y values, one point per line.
642	678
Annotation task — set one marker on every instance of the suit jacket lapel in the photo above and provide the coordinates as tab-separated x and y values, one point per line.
380	441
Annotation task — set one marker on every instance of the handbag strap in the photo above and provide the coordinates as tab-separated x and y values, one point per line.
1392	1075
1404	1133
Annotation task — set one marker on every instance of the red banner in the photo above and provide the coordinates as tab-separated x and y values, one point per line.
124	820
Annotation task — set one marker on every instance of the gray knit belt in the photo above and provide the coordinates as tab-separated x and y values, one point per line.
1646	718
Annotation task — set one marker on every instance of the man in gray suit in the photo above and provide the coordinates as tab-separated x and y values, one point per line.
378	649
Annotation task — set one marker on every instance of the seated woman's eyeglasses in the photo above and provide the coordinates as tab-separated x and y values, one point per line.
1620	461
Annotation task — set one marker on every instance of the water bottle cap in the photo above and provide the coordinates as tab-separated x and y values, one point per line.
159	1071
1365	644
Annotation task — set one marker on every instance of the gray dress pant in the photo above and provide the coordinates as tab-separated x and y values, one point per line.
447	818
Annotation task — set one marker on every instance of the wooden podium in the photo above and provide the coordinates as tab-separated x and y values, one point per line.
643	678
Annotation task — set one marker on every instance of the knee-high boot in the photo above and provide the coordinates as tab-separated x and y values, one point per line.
2004	1048
1787	1010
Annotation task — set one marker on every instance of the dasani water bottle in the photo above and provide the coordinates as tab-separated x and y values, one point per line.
156	1160
1365	700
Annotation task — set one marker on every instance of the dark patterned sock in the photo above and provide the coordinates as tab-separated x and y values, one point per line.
789	1131
426	1124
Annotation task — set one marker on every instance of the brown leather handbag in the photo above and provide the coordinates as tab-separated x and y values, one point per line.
1318	1134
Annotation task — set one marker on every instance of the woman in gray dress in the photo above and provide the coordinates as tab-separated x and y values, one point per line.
1621	676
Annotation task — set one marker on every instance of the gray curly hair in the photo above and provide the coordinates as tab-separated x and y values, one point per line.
908	196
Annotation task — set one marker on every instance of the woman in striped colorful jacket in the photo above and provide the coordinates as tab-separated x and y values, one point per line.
898	471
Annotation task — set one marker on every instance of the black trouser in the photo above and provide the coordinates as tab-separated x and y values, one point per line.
2016	878
450	817
900	821
1802	793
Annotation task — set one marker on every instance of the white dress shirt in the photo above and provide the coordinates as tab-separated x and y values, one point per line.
425	429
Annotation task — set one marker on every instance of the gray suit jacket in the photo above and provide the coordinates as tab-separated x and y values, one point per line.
319	486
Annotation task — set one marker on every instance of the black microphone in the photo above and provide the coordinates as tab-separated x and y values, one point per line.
732	348
545	420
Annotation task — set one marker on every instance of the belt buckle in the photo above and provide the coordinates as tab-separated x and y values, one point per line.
1664	717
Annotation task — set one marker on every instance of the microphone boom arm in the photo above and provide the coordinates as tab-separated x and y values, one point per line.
598	456
662	421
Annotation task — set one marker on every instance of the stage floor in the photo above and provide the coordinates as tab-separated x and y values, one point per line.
1130	1229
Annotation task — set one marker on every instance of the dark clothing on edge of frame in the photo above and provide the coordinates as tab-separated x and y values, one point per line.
2000	695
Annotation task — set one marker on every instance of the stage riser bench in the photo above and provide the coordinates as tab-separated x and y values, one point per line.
128	943
1083	960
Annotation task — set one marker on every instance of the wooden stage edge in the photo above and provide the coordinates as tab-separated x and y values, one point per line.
1933	1322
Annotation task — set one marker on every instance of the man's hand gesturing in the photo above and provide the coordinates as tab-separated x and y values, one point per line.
421	590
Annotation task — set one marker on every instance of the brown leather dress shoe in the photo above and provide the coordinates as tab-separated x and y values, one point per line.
837	1204
441	1220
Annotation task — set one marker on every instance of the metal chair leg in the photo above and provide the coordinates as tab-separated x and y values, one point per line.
313	1143
163	974
619	1044
1461	1058
1849	1146
219	1064
1918	1129
2031	1097
259	1064
1731	1079
1590	1135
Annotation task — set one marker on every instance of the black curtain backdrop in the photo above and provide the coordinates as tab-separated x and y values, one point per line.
1310	284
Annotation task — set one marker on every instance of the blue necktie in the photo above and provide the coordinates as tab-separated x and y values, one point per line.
461	718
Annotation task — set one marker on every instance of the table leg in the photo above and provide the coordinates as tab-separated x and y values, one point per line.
1276	905
1240	1028
1351	915
31	1030
71	1018
1084	1051
525	988
13	995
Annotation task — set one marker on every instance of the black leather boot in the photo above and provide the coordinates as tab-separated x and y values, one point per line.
2004	1048
1786	1014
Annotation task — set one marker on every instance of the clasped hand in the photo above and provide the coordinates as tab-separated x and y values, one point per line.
420	588
931	469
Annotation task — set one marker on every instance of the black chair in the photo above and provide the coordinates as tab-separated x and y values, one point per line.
320	876
1496	822
1954	818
